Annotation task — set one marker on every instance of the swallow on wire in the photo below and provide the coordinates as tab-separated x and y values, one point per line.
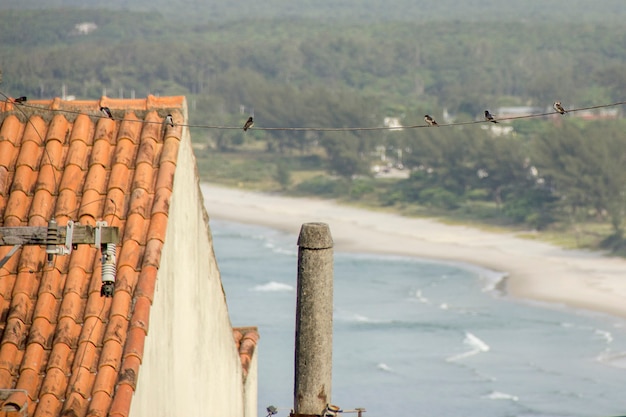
489	117
169	120
249	124
430	121
107	112
558	107
20	100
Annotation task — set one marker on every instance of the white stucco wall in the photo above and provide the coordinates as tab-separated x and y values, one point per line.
191	366
251	387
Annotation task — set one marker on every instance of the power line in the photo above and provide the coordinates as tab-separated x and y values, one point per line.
98	114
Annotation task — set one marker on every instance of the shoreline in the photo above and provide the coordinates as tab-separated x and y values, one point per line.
530	269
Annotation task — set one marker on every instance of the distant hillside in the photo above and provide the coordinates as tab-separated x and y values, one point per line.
357	10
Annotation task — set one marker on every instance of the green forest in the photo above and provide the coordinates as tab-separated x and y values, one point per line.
352	64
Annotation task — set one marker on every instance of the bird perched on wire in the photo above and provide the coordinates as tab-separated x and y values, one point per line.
249	124
430	121
558	107
169	120
20	100
107	112
271	410
489	117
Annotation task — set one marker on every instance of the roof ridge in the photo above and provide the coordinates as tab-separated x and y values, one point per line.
139	104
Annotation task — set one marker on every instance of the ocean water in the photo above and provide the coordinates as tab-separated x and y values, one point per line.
418	338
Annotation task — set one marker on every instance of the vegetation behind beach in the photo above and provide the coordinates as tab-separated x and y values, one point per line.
352	64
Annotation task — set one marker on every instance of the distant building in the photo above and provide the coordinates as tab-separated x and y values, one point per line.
517	111
602	114
393	123
498	130
84	28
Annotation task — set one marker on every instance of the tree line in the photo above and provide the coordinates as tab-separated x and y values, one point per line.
315	73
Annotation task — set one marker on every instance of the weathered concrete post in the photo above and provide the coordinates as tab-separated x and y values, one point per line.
314	320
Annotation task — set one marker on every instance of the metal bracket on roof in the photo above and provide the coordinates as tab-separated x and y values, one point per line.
53	235
8	255
98	232
61	240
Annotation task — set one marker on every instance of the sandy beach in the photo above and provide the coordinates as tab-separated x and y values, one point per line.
534	270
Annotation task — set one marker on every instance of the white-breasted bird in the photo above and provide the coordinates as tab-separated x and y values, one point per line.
430	121
249	124
107	112
489	117
558	107
169	120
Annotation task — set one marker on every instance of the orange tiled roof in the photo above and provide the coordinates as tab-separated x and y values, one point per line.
246	339
64	349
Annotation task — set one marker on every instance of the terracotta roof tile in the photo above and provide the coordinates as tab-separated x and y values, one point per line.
76	352
93	331
52	282
141	203
15	333
161	202
8	355
6	378
121	305
41	333
47	307
24	180
29	380
111	354
30	153
130	255
18	399
60	358
145	176
123	396
246	339
100	402
136	228
41	208
86	358
16	207
129	371
126	279
67	332
75	404
105	381
54	383
21	308
34	358
101	152
72	306
12	130
135	342
141	314
48	406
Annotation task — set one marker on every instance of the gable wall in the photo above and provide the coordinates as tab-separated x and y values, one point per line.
191	365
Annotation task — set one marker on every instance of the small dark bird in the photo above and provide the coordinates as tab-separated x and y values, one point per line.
489	117
107	112
249	124
271	410
20	100
169	120
557	106
430	121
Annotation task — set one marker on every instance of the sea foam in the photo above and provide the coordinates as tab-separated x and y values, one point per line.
273	286
477	346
